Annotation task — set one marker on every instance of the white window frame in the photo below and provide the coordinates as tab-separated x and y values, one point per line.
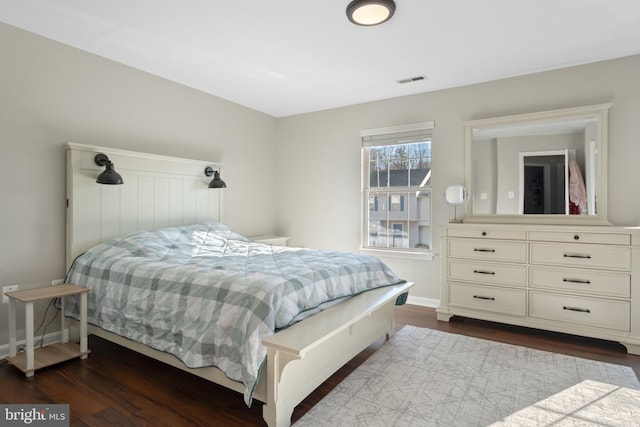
385	136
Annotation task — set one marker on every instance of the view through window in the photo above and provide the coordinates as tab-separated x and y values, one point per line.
397	187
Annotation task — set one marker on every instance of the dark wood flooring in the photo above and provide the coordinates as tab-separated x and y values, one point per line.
118	387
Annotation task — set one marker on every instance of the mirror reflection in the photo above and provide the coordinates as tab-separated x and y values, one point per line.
540	164
543	183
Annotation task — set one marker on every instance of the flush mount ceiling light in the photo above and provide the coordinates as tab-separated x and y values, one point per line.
370	12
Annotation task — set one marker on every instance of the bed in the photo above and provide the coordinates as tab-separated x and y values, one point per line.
174	240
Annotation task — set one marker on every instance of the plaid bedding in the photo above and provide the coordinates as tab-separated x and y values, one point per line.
209	295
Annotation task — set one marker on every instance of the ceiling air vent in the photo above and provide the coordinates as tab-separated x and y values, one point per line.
411	79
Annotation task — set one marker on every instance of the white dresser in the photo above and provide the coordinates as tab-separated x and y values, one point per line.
582	280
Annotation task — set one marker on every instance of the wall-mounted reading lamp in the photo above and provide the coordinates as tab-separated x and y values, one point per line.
109	176
216	182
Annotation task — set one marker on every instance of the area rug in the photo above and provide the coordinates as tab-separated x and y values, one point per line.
590	403
424	377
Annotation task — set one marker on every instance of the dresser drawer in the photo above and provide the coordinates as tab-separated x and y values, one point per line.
579	255
588	237
488	233
498	300
601	313
489	250
484	272
581	280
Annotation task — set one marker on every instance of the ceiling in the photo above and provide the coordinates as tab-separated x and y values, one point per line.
287	57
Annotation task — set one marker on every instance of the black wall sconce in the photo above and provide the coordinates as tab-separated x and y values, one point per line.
216	182
109	176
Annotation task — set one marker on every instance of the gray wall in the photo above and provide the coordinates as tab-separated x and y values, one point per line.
319	153
51	93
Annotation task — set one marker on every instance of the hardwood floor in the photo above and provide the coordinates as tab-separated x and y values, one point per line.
116	386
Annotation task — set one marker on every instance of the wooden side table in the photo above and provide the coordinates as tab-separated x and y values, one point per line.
51	354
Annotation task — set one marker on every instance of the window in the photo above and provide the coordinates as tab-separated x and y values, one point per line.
396	171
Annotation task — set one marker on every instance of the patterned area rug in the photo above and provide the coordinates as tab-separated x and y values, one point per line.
423	377
590	403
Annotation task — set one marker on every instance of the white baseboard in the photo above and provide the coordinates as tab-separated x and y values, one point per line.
423	302
52	338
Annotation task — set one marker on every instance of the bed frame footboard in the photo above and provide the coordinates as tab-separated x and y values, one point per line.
302	357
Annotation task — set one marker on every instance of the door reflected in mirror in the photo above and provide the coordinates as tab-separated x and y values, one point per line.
544	187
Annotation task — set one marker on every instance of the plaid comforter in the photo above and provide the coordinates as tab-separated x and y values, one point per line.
209	296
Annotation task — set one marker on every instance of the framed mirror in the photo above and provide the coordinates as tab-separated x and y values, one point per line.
545	167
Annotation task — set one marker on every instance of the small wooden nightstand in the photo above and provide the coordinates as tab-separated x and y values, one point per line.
48	355
271	240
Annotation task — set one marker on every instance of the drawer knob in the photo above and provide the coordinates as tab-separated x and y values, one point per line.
484	233
576	237
485	298
581	310
483	250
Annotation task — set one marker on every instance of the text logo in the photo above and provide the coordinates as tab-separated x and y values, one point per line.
34	415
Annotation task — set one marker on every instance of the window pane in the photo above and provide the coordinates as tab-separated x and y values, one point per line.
421	152
399	158
420	177
399	237
394	202
374	176
398	206
376	153
399	166
379	156
378	206
419	221
420	163
378	178
378	234
399	178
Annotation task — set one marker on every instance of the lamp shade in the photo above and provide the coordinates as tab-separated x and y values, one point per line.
370	12
109	176
216	182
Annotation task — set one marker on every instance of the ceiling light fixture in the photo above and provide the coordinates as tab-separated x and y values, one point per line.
370	12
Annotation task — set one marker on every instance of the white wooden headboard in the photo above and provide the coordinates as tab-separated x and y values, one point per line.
158	191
